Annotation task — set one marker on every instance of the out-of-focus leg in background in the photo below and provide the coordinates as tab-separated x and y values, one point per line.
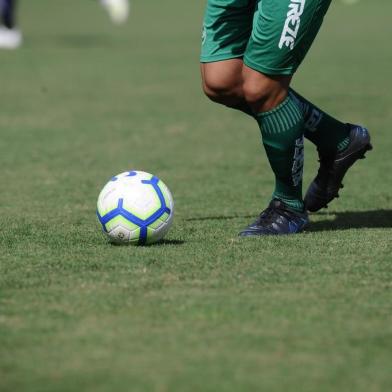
10	35
118	10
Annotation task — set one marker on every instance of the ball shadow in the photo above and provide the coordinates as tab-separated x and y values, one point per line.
163	242
168	242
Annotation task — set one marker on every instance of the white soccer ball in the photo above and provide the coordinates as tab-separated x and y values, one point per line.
135	207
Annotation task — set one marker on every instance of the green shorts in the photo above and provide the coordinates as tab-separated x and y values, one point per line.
272	36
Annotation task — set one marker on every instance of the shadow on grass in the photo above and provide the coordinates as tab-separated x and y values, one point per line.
163	242
376	219
222	217
168	242
336	221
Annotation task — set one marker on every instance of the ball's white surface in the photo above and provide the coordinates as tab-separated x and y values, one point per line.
135	207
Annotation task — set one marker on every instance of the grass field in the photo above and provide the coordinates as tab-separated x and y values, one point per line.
204	311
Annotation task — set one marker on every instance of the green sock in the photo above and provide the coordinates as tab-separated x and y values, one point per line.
327	133
282	132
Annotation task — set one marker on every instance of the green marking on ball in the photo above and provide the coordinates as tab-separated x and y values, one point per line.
103	212
164	217
135	235
143	215
150	235
120	220
156	224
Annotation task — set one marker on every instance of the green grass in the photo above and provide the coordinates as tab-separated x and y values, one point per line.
204	311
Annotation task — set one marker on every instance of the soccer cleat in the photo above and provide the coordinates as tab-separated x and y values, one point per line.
326	185
277	219
118	10
10	38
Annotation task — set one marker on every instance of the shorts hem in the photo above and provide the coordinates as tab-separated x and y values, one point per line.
219	57
269	70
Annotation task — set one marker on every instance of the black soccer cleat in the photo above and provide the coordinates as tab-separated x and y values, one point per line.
277	219
326	185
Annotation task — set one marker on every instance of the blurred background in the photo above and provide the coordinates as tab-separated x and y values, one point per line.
83	99
93	93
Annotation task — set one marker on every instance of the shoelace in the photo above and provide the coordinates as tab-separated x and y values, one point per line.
268	215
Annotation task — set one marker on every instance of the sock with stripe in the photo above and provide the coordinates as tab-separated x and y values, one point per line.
327	133
282	133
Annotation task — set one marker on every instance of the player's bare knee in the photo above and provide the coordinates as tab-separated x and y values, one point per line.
263	96
222	80
263	92
218	89
214	91
256	93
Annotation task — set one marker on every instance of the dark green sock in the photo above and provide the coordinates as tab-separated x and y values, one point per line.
282	132
327	133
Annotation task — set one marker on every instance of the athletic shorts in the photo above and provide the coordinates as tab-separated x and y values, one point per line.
272	36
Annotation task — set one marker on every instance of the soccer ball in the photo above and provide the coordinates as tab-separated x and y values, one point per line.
135	207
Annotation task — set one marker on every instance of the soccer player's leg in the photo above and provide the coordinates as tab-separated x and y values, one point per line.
281	126
282	35
222	83
118	10
339	146
7	8
226	34
10	36
226	30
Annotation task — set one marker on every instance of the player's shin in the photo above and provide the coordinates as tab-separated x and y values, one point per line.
282	132
328	134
